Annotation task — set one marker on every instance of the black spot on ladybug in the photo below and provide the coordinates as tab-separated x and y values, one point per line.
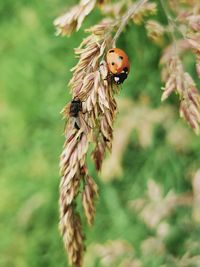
111	51
113	63
120	57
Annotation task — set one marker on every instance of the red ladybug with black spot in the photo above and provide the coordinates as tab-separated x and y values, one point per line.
118	65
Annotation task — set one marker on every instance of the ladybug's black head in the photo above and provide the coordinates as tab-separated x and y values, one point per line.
119	78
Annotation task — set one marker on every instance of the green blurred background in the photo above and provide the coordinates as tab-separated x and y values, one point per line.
34	72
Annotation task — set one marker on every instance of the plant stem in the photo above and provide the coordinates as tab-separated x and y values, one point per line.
174	27
126	18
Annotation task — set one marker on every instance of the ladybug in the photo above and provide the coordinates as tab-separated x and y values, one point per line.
118	65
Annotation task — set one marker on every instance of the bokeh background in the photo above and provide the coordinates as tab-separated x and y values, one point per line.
147	206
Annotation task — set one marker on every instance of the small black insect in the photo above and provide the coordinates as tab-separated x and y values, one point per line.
76	113
75	108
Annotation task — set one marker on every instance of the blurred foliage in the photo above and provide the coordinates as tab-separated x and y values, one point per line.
35	68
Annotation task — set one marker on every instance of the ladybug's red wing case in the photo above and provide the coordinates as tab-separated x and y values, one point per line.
118	65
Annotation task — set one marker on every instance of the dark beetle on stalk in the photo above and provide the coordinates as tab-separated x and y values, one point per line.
77	114
75	108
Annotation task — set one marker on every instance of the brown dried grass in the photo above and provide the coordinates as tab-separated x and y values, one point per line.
177	80
95	120
175	77
91	86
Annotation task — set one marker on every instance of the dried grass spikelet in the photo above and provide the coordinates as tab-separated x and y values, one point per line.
153	245
73	19
155	31
187	22
73	236
89	84
172	76
190	103
94	122
196	197
118	253
104	135
188	259
182	46
154	208
72	169
194	22
144	10
175	77
194	41
190	16
180	7
179	81
88	196
114	9
198	63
